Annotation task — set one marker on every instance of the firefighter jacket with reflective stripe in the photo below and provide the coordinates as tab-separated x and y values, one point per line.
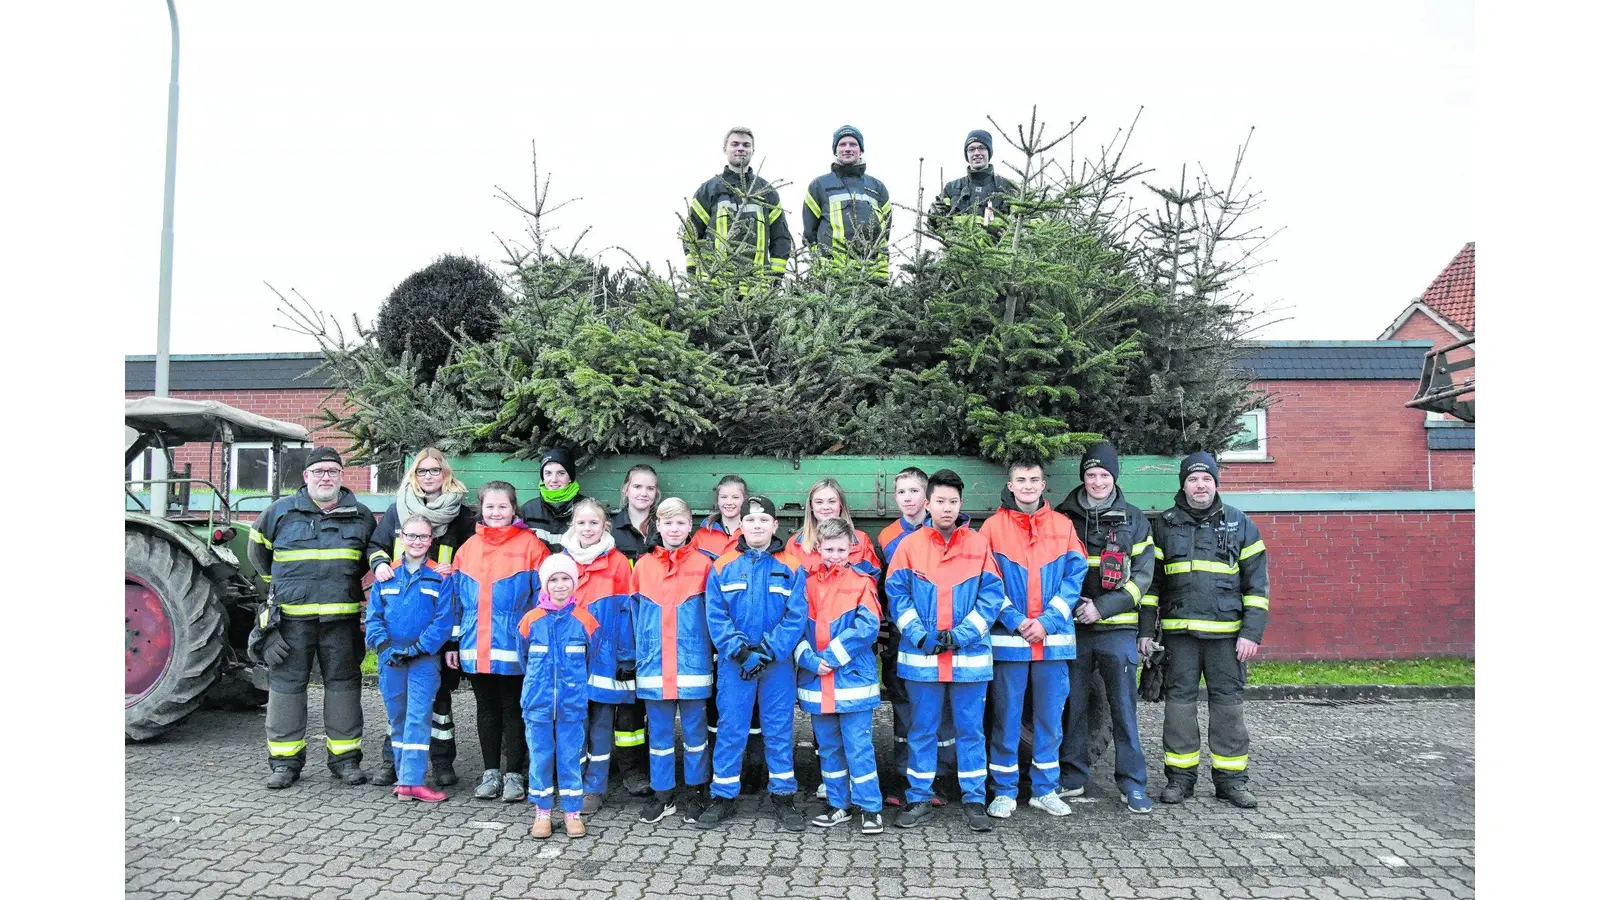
554	652
735	219
670	635
953	586
966	197
386	545
605	591
892	534
1211	573
1042	563
754	596
549	521
1119	607
496	582
313	559
410	608
712	538
863	554
847	216
842	615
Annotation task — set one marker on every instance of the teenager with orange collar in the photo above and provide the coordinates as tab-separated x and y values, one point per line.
826	501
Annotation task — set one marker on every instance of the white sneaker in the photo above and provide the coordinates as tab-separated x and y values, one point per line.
1070	792
822	792
1002	807
1051	804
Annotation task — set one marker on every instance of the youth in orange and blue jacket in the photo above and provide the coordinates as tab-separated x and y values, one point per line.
674	659
713	538
937	586
863	554
605	591
756	609
842	616
889	654
1042	562
554	649
409	618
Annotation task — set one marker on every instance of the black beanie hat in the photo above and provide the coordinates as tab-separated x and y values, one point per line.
758	503
982	137
323	454
1101	456
1197	462
562	457
848	131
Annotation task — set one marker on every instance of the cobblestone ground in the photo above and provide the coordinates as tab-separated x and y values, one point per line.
1358	800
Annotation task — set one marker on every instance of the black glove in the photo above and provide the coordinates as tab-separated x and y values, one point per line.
739	655
274	648
626	673
1153	676
756	669
947	642
396	657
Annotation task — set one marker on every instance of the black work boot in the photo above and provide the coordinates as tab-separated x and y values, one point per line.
444	773
350	773
977	818
719	810
384	775
1237	794
1177	790
784	811
282	778
914	814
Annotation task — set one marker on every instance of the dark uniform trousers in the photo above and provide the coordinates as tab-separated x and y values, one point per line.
1188	657
337	647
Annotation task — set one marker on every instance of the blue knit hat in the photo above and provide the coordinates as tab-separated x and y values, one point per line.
848	131
1198	462
982	137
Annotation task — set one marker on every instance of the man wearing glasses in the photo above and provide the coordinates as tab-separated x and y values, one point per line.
311	550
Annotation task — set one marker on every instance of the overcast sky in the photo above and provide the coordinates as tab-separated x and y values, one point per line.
337	147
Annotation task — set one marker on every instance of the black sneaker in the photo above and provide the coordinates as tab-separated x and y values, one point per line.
833	816
1177	791
659	808
444	774
871	823
977	818
716	812
695	803
282	778
784	811
1238	796
384	775
914	815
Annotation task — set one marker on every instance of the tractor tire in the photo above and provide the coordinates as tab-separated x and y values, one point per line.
175	637
1100	738
233	691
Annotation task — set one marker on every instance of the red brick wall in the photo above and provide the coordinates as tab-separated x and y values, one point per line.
1369	585
1452	470
300	406
1420	327
1338	436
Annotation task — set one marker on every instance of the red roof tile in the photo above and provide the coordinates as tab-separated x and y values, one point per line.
1451	294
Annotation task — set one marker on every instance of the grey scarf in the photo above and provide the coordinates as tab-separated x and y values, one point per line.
439	511
1088	503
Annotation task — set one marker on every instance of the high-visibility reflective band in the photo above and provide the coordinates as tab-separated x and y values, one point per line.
1094	561
445	555
906	618
400	746
811	204
498	655
302	555
628	738
956	660
995	768
1160	554
267	578
1050	640
920	776
345	746
735	586
1133	590
320	609
392	591
1205	625
576	792
1142	546
863	779
445	719
779	265
697	748
260	538
843	655
1046	765
1199	565
976	621
667	752
285	748
1255	601
1061	606
429	591
699	211
839	774
719	780
774	214
546	792
376	557
800	650
1183	760
1150	600
604	757
1126	618
1230	763
455	631
443	734
577	649
775	589
971	773
841	694
1252	550
654	681
609	684
779	776
949	743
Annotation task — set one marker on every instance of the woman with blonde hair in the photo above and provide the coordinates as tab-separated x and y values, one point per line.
430	489
634	527
826	501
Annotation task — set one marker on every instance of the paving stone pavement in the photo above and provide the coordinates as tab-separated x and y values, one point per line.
1358	800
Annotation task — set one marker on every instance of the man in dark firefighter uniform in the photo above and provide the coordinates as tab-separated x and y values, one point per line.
311	549
735	232
846	218
980	196
1211	590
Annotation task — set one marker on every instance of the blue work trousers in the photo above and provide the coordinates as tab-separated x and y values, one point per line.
900	701
1049	680
735	696
664	743
408	691
555	751
966	701
849	763
1115	655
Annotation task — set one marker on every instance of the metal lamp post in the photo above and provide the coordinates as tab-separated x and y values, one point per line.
158	491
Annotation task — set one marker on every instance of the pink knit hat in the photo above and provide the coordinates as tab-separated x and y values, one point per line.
558	563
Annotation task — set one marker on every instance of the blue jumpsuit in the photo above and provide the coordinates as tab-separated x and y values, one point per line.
754	597
841	624
555	701
413	607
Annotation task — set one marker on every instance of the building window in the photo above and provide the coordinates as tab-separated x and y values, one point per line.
1251	442
139	471
386	476
253	467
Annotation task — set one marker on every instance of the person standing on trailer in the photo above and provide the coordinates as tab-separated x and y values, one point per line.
735	232
847	213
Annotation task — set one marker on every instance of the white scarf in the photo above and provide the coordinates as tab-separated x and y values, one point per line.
586	555
440	511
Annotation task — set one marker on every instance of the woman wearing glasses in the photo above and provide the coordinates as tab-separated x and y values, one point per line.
432	491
